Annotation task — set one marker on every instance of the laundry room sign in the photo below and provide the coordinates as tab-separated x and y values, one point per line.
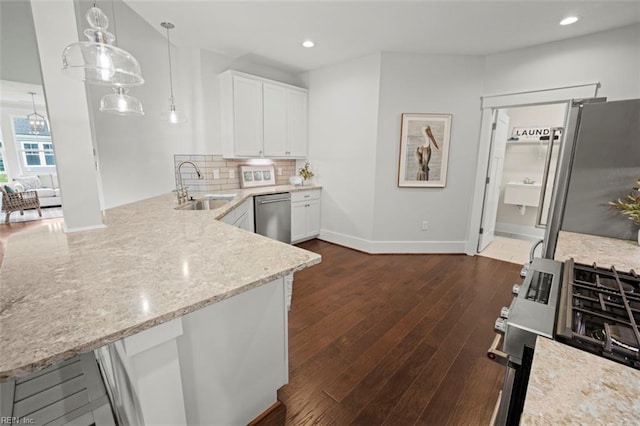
533	133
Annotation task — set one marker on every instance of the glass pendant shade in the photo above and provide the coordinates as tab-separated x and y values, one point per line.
119	103
97	61
37	121
173	116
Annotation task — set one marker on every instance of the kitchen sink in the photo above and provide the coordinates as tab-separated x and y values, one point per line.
205	204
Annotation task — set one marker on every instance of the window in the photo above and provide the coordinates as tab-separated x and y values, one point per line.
35	150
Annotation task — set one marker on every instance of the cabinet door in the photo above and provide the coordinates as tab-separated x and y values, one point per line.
298	221
247	116
297	123
241	222
312	218
275	120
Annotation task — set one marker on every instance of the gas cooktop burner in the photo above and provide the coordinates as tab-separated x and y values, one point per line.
603	309
612	284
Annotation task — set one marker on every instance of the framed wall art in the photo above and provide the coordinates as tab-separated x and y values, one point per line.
252	176
424	150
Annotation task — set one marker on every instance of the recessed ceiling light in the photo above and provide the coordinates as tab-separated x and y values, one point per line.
569	20
308	43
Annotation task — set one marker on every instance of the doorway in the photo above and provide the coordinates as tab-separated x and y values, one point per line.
490	104
522	160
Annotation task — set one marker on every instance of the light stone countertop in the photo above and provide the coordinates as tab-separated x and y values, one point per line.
62	294
569	386
584	248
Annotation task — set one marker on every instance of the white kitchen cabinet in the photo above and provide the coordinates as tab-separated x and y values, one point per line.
262	118
275	120
241	216
297	123
247	117
305	215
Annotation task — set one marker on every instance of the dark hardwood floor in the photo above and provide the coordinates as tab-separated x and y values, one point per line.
394	339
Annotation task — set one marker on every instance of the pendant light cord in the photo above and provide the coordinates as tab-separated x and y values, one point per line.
170	72
115	27
33	101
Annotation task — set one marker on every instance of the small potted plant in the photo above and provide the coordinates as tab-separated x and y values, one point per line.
305	173
630	206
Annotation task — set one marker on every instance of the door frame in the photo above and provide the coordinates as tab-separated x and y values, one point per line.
509	100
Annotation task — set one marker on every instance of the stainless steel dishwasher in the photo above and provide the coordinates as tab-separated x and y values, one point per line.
273	216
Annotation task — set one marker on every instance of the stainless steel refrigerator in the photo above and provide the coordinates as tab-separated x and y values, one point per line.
599	162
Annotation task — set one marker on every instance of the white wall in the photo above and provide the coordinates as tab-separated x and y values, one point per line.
610	57
135	154
424	83
343	117
18	49
437	84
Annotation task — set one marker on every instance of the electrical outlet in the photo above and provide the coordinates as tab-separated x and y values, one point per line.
425	225
232	174
279	171
216	173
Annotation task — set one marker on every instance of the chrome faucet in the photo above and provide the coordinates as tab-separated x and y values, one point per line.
181	190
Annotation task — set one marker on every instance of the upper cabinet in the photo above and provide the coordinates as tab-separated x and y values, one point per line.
262	118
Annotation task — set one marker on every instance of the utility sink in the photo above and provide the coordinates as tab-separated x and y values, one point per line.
208	202
522	194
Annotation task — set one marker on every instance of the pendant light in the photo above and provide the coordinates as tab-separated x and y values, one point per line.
172	116
98	61
37	122
120	103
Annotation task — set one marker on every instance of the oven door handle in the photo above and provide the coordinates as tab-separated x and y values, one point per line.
495	354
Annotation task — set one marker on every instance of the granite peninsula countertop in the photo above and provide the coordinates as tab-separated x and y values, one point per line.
63	294
584	248
569	386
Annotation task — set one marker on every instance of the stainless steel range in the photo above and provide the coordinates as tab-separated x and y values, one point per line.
585	306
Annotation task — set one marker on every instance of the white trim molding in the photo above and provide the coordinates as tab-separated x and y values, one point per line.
540	96
393	247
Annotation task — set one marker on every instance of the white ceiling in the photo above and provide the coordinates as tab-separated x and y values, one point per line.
273	31
17	95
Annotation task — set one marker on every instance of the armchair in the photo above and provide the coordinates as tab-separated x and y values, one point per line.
19	201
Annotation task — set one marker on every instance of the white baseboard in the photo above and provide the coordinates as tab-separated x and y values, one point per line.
396	247
519	231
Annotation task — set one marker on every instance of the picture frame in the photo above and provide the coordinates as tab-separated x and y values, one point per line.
253	176
424	150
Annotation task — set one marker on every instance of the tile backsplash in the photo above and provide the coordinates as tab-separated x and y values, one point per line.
208	164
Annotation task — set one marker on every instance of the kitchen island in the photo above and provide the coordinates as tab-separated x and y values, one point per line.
64	294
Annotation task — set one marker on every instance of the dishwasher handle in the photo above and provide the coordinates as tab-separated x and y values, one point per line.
279	200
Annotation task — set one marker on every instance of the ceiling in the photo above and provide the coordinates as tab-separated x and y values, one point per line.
272	31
